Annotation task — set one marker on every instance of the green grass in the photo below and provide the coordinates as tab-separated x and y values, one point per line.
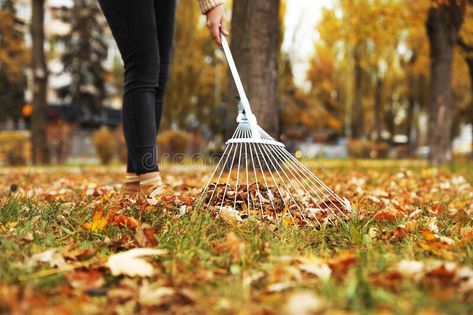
32	225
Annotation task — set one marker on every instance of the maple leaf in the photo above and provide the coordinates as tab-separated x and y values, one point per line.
99	222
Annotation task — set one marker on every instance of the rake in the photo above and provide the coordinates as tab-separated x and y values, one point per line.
257	176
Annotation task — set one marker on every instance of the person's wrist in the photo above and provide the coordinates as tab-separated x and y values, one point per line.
217	7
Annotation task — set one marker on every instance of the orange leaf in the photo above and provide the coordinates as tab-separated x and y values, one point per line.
386	216
99	222
428	235
126	221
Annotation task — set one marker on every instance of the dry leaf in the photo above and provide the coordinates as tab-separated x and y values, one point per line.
145	235
99	222
231	244
322	271
229	215
125	221
154	294
303	303
131	262
51	256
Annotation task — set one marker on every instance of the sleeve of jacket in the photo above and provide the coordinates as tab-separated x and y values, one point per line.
207	5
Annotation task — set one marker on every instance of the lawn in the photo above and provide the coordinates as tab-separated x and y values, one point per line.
409	249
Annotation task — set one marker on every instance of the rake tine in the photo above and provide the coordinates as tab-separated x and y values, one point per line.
284	162
310	187
264	178
289	192
228	177
285	186
321	183
271	173
212	176
265	134
237	131
238	175
256	180
219	176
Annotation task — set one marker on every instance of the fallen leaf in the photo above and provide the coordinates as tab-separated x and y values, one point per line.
411	268
51	256
229	215
130	263
145	235
99	222
86	279
303	303
154	294
385	216
125	221
232	244
322	271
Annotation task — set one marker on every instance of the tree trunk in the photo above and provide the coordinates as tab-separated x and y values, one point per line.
469	61
412	88
357	110
378	108
410	130
444	21
40	80
255	46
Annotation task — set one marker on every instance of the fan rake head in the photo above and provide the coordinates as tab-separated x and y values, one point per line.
257	176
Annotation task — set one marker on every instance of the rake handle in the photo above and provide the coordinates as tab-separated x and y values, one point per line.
241	91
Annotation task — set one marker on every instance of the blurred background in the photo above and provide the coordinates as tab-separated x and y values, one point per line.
377	79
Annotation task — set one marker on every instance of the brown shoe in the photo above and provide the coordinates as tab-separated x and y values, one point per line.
132	185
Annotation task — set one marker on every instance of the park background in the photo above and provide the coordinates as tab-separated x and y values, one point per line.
332	79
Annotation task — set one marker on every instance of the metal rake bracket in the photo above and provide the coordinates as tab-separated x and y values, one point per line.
257	176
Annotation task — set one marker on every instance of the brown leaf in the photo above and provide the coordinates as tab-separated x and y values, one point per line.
125	221
145	235
86	279
231	244
342	262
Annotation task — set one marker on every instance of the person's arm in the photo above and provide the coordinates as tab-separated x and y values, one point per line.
215	13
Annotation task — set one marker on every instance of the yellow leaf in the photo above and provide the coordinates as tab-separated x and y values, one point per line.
99	222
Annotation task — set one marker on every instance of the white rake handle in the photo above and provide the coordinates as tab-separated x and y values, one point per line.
241	91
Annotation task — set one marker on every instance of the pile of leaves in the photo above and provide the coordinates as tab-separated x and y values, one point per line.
275	204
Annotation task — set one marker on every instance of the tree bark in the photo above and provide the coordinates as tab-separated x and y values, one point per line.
443	23
469	61
378	108
255	46
40	80
357	108
468	49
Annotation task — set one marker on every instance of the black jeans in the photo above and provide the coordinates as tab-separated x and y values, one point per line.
143	30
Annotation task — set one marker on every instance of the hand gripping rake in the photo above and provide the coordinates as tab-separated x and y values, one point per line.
256	175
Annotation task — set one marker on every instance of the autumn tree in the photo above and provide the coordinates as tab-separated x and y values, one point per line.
40	81
255	44
85	50
445	18
191	97
14	59
415	64
360	38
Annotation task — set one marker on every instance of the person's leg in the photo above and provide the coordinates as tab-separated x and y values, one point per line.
165	12
133	25
165	16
